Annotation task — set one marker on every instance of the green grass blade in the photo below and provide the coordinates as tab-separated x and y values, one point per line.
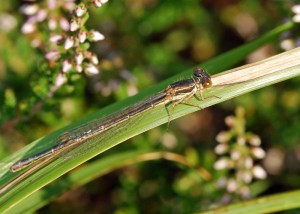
250	81
88	173
268	204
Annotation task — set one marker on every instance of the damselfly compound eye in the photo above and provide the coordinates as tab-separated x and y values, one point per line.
198	72
207	84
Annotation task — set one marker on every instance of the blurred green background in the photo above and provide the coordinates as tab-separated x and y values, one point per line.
147	42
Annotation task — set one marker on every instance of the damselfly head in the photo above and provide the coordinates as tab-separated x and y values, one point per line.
203	76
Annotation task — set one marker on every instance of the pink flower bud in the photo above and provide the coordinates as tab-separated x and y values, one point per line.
69	43
296	18
78	68
29	9
51	4
60	79
79	58
258	152
296	9
56	38
66	65
41	15
232	185
223	163
95	36
254	140
28	28
94	59
97	3
91	69
230	121
80	10
248	163
235	154
53	55
259	172
82	36
223	137
221	149
52	24
64	24
246	176
74	25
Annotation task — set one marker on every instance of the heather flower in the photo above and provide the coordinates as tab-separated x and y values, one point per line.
91	69
80	10
28	28
53	55
52	24
29	9
79	58
78	68
74	25
60	80
41	15
67	65
259	172
56	38
239	150
95	36
97	3
82	36
69	43
94	59
64	24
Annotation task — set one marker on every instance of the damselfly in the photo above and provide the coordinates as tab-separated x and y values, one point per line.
175	93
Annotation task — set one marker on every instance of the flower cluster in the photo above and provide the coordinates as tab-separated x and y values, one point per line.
238	152
69	39
288	40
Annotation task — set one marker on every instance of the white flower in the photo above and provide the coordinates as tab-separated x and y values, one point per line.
235	154
66	65
80	10
232	185
91	69
41	15
222	163
82	36
259	172
52	24
221	148
96	36
258	152
60	79
296	18
28	27
79	58
53	55
64	24
97	3
78	68
74	25
296	9
56	38
255	140
69	43
94	59
29	9
248	163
